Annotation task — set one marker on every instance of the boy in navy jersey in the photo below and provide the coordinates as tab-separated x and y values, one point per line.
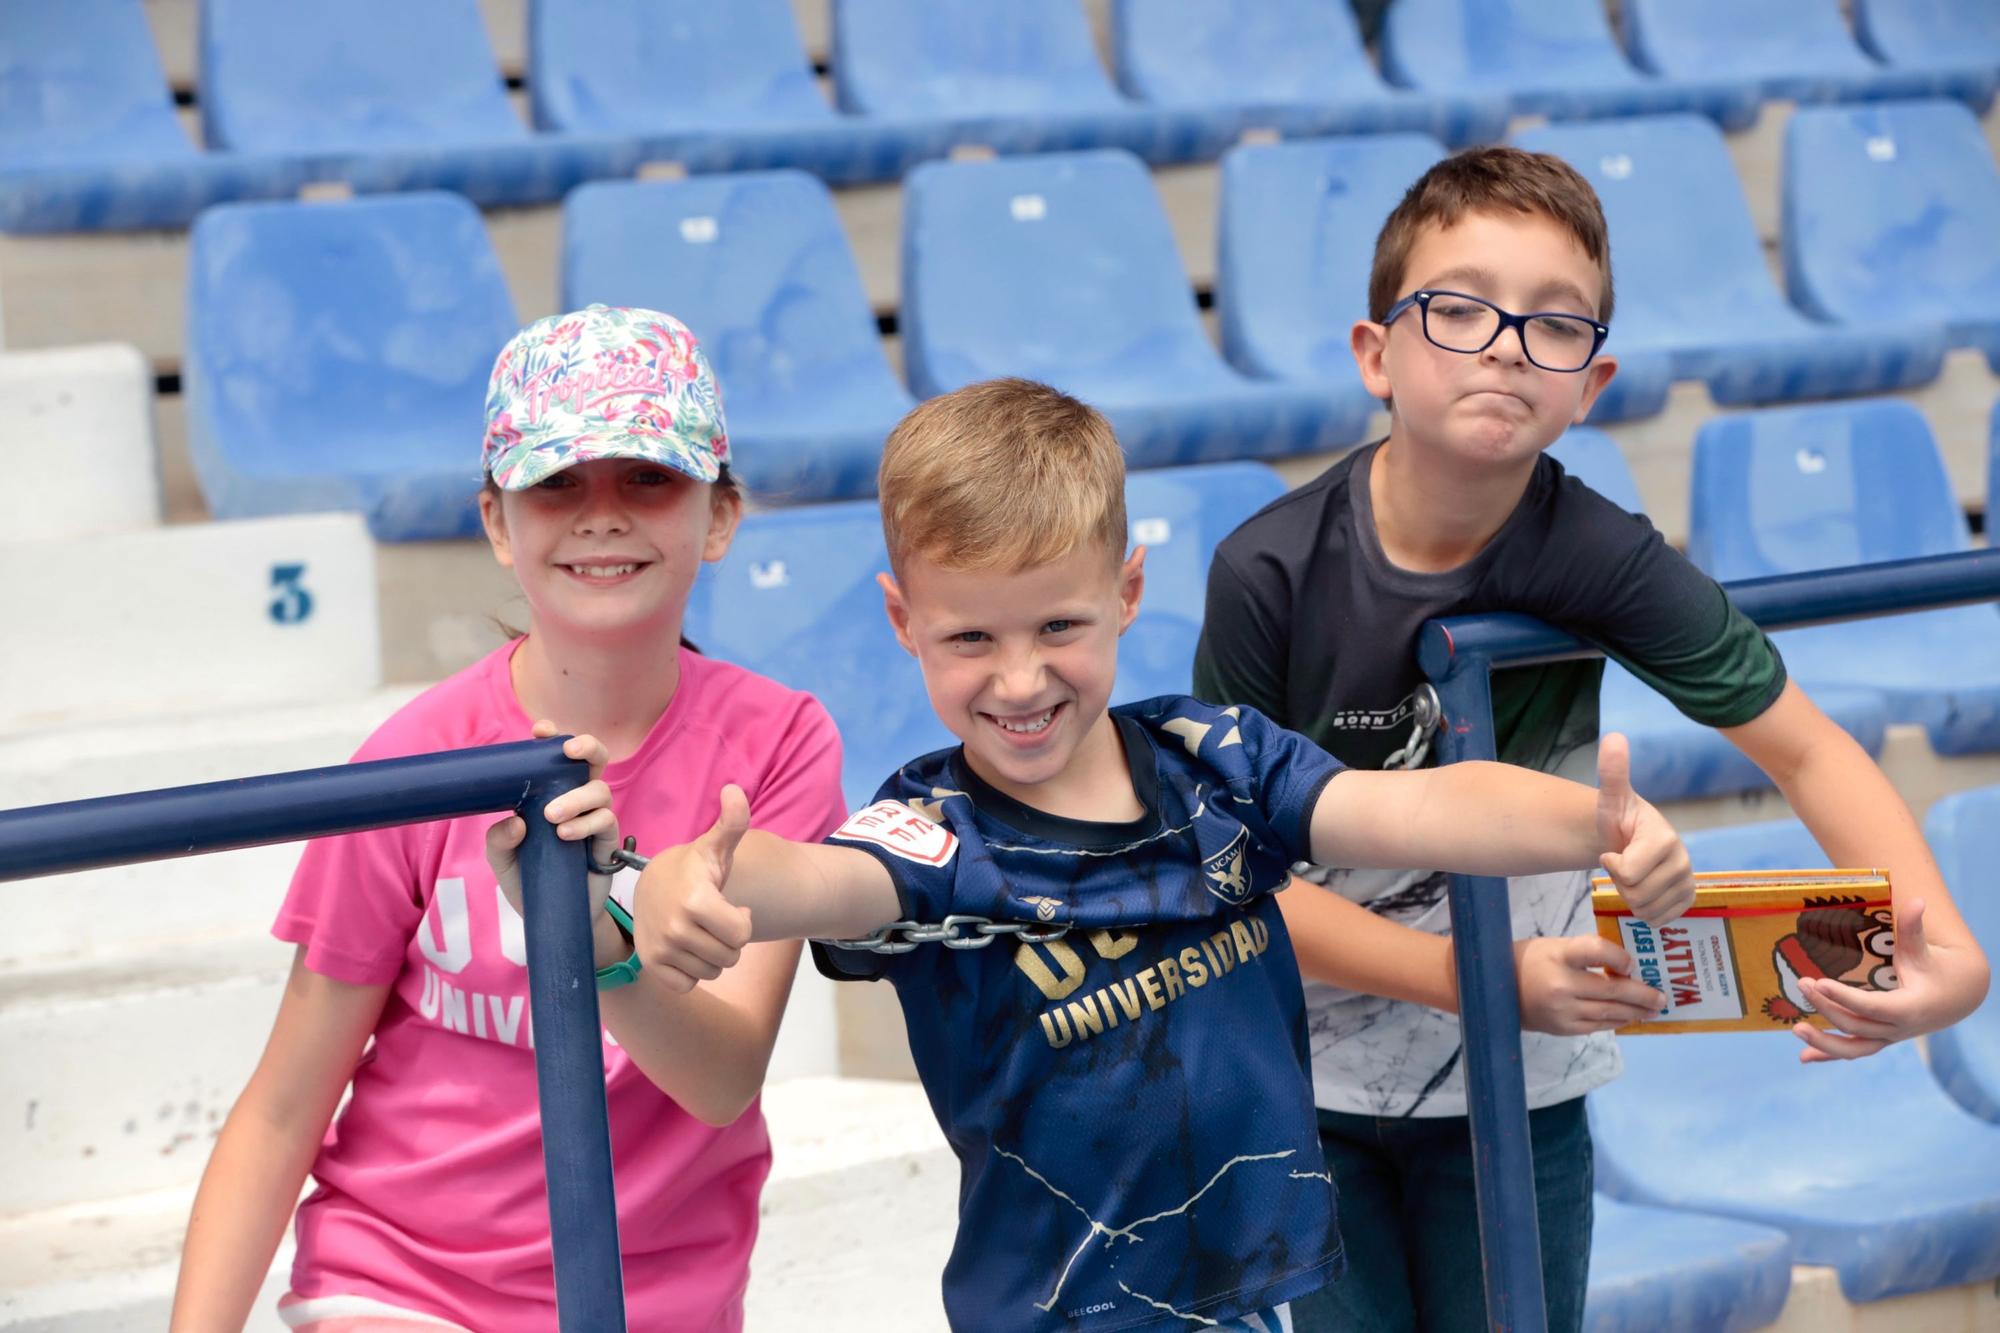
1125	1086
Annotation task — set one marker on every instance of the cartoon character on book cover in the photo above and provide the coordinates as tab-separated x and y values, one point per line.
1840	938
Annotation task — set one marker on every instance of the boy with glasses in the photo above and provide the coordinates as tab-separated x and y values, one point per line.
1489	302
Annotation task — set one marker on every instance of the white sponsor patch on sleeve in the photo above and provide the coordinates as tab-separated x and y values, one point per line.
896	828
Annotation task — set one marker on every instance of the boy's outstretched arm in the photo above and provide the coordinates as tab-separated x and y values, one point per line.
1486	818
1859	819
698	904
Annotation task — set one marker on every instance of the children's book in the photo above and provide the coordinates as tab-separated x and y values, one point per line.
1733	963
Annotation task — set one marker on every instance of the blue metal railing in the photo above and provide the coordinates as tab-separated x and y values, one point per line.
562	991
1459	656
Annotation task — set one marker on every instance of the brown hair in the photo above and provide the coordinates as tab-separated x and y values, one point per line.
1004	474
1488	180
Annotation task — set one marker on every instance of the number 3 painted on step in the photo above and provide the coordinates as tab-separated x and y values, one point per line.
293	605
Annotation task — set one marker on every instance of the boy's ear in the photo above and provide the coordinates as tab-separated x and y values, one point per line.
1131	587
495	524
1369	342
725	511
1594	379
898	611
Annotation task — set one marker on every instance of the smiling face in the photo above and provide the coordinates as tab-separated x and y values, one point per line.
610	547
1020	665
1493	407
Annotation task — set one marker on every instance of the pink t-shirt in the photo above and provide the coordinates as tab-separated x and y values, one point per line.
431	1188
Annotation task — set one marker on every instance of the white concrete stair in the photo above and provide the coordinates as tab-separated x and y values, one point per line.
84	416
202	616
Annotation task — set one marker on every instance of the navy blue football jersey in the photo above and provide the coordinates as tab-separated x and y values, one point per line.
1130	1103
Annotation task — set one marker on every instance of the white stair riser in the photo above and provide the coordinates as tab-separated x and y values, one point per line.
85	416
212	616
122	1090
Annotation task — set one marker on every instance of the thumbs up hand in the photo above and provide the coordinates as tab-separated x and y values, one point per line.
685	929
1639	849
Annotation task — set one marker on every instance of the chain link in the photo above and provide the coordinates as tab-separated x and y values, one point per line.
960	930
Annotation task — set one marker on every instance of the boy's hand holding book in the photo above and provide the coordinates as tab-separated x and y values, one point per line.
1645	858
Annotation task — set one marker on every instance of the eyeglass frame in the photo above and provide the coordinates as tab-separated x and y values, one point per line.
1519	323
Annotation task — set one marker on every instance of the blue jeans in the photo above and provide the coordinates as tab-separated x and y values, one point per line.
1410	1222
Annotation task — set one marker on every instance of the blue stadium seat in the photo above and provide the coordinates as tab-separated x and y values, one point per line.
1693	285
88	135
1296	66
1022	77
1866	1164
796	600
1062	268
1955	42
1661	1268
1788	490
1673	757
1552	58
384	96
337	358
1179	515
1890	212
1295	239
739	92
757	265
1783	50
1964	834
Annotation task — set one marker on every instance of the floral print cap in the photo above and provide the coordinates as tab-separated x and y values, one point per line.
603	382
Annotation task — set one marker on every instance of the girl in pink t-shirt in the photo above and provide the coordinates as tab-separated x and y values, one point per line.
607	487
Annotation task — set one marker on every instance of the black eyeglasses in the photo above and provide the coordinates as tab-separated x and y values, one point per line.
1460	323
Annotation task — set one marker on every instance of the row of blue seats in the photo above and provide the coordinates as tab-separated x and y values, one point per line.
1895	1188
1063	267
1886	1170
386	96
1788	491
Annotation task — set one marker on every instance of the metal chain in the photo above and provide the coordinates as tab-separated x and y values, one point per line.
958	931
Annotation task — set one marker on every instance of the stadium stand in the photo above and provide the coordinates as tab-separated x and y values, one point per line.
337	358
1179	515
1673	757
757	265
263	612
1867	1165
1293	66
88	136
1017	78
1964	834
1889	215
1295	233
741	94
85	414
1552	58
1693	286
1786	490
796	600
1783	50
1062	268
1662	1268
381	96
1954	42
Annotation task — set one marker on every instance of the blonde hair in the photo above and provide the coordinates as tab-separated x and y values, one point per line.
1489	180
1006	474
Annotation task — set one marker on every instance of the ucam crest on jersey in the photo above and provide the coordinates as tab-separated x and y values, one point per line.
899	829
1227	873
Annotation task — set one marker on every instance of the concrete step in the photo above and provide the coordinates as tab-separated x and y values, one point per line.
279	610
853	1159
85	414
123	1065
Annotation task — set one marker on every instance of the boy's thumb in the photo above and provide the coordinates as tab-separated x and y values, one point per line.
731	824
1912	945
1614	793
